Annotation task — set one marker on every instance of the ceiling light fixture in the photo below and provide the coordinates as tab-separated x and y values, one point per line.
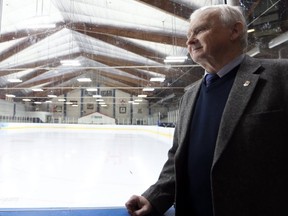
157	79
97	96
250	30
26	99
52	96
10	95
278	40
91	89
14	80
175	59
37	89
84	80
254	51
142	96
148	89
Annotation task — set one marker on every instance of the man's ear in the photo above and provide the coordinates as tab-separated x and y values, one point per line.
237	30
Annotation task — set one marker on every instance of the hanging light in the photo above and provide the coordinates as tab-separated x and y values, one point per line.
142	95
97	96
37	89
14	80
52	96
157	79
91	89
148	89
84	79
175	59
10	95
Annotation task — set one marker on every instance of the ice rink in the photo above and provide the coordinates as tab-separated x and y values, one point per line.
54	165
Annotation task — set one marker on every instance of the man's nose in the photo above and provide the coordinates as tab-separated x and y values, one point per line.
190	40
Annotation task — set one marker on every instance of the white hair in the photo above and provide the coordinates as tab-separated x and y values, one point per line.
229	15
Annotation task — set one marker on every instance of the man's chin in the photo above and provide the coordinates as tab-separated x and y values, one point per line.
196	56
196	59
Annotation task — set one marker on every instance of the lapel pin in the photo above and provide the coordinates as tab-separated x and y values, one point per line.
247	83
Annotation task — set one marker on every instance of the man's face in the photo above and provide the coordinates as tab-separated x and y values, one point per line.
208	38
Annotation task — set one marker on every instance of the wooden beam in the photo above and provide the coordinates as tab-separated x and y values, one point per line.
128	45
171	7
159	37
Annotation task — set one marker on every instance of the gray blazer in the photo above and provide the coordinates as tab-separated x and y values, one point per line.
249	175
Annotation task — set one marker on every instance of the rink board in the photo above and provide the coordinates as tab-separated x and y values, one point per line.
70	212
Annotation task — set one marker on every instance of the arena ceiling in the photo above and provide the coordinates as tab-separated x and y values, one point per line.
117	44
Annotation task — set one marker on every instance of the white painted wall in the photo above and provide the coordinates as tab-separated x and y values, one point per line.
96	118
9	108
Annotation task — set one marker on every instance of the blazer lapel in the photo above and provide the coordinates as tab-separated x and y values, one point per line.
241	92
187	109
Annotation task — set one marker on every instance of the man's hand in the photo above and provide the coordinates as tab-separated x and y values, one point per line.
138	206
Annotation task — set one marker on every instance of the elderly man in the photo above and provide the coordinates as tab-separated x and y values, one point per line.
230	147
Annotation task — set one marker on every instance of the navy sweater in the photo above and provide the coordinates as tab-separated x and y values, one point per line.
202	138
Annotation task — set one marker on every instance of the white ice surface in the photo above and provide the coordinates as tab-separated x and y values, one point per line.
46	165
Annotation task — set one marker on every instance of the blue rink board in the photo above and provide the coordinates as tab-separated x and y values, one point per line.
121	211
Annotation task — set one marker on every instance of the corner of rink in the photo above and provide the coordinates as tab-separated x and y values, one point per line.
3	125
